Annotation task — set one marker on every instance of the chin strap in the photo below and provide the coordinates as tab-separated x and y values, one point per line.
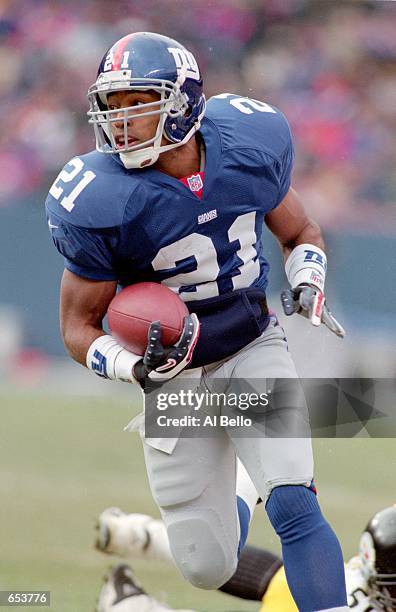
149	155
140	159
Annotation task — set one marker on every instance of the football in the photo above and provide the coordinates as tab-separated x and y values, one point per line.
133	309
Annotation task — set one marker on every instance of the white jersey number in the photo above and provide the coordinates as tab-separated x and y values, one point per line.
243	230
247	105
202	250
66	176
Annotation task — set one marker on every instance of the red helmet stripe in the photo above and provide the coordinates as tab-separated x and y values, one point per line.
119	51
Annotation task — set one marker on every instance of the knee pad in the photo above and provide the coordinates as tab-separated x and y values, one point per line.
294	512
199	554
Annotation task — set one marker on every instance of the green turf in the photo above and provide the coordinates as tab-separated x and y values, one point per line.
62	461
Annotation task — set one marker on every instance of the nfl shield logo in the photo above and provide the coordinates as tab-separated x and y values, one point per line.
195	182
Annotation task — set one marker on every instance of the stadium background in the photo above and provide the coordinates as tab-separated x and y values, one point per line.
331	67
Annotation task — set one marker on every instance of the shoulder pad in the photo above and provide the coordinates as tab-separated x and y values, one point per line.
91	191
245	122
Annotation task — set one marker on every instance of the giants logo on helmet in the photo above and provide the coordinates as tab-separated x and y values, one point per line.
186	64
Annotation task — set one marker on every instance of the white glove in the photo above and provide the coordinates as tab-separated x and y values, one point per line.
310	302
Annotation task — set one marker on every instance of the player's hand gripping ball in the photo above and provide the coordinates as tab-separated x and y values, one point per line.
151	320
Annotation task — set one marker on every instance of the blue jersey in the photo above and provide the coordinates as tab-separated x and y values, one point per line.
110	223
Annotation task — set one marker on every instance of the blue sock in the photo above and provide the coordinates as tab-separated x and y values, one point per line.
244	520
311	552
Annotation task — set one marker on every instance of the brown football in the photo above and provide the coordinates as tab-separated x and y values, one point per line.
133	309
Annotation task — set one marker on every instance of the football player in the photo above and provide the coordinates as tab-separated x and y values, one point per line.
177	192
260	576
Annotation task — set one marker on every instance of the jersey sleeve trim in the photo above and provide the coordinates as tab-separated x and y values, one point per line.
283	191
97	275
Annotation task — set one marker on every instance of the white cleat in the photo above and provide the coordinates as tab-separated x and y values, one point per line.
121	592
132	535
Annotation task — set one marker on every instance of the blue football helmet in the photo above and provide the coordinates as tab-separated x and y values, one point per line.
144	61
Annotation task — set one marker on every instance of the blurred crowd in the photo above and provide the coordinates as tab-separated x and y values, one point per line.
329	65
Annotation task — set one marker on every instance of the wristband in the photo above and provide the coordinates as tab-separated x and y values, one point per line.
306	264
109	359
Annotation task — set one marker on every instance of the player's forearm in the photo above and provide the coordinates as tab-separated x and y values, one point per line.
78	338
101	353
309	234
292	226
83	306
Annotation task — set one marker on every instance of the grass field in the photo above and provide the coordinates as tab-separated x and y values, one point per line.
62	461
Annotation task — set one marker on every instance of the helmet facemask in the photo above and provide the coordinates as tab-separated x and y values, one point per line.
173	103
383	590
378	557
